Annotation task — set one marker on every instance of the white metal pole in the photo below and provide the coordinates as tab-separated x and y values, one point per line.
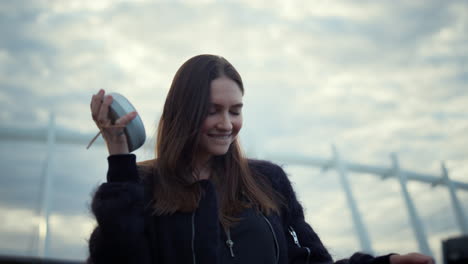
461	219
358	223
44	228
414	218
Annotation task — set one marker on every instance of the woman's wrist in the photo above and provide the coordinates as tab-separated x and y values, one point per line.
117	149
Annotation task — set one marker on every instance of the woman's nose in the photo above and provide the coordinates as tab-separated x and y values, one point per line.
225	123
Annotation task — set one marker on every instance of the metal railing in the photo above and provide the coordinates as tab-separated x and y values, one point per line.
54	136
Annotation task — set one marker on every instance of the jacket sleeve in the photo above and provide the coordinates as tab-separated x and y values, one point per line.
309	248
118	206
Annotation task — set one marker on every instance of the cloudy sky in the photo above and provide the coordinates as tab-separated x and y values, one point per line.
371	77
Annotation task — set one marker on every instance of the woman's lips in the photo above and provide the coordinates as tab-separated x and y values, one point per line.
220	136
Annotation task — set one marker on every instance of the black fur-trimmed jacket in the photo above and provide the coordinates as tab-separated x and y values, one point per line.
128	233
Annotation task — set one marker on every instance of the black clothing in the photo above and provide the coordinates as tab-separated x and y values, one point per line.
128	233
253	241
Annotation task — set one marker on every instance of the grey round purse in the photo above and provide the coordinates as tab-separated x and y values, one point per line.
135	130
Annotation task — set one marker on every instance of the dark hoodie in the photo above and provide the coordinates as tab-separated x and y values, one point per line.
128	233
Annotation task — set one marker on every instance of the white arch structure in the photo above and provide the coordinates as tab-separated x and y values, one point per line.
403	176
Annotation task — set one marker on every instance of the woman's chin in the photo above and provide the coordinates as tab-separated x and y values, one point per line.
219	151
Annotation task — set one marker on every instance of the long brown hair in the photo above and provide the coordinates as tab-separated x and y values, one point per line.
178	137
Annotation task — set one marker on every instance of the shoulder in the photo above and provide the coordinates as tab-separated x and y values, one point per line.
278	178
264	166
272	171
146	168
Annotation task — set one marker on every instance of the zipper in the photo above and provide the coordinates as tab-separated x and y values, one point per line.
274	237
193	238
229	242
296	241
294	236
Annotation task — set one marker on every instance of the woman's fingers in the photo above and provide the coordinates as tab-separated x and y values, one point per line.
103	118
96	102
113	134
124	120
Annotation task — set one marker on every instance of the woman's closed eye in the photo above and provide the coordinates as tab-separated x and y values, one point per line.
232	112
235	113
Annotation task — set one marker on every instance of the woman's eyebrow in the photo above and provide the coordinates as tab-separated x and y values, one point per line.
239	105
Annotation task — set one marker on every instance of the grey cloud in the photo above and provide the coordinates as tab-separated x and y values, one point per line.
392	81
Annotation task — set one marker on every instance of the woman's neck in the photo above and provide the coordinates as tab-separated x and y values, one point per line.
204	174
203	170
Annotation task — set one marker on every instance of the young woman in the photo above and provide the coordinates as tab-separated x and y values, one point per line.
201	200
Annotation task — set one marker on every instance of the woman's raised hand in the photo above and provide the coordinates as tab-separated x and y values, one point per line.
113	133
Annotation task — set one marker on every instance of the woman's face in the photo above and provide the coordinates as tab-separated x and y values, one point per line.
224	119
